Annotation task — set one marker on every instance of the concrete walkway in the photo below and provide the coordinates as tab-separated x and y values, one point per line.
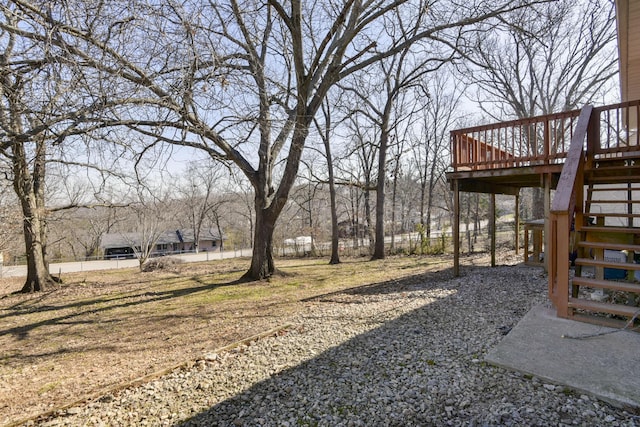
605	366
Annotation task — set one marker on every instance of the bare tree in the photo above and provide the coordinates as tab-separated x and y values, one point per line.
39	106
308	200
397	174
79	231
555	57
240	210
430	147
547	59
241	80
388	101
152	219
199	190
10	219
359	168
325	131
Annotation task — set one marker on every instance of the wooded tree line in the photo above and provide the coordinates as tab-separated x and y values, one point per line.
362	94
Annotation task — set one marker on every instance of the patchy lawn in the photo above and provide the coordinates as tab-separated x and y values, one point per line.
100	330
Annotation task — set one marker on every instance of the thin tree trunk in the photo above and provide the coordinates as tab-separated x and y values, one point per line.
422	214
367	214
393	210
378	251
335	248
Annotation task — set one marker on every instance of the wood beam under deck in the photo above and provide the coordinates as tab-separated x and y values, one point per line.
471	186
505	181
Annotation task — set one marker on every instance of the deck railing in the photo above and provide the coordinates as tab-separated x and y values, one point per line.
526	142
616	130
545	139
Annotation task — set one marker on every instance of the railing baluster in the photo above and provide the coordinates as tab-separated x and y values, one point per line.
609	140
605	144
626	125
637	125
546	139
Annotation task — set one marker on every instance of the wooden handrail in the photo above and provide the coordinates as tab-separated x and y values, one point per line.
575	156
567	200
518	122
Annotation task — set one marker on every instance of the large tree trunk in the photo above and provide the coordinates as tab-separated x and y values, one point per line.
262	265
30	191
38	277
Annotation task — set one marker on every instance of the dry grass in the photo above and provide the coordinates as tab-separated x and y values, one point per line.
101	329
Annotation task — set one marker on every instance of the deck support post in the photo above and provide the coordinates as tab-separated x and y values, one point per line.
455	229
517	225
492	228
547	209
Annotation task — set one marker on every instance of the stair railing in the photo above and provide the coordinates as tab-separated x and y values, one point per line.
568	200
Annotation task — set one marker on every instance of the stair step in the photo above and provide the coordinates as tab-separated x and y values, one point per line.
612	246
618	155
608	264
609	188
608	229
609	322
616	163
614	178
606	284
603	307
618	202
613	214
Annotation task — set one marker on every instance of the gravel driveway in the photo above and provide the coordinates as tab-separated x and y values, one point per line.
375	356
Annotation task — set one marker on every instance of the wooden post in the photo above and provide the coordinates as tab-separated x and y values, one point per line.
517	221
455	231
559	285
492	228
547	209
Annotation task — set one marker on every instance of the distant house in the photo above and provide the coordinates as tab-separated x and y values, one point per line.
122	245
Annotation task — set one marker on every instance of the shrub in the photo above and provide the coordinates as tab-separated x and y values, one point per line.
163	263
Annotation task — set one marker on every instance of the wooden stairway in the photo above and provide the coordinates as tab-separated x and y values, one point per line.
604	289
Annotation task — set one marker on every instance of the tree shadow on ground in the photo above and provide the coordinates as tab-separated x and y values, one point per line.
98	305
390	286
421	368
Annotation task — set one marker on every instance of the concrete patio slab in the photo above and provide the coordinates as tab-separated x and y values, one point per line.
557	350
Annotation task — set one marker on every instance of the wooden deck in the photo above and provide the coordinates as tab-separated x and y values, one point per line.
501	158
577	153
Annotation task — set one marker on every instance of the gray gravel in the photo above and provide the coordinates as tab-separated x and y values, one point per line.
387	355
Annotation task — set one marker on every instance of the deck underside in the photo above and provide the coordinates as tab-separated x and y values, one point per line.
504	181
